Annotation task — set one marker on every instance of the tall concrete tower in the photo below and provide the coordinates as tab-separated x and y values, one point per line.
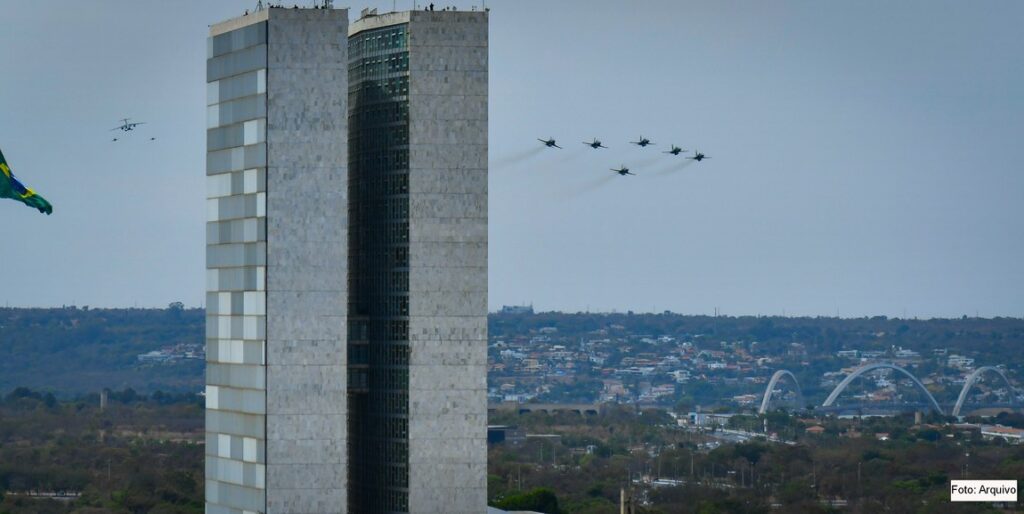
347	263
418	262
277	263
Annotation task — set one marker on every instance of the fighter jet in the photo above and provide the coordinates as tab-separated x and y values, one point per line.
698	156
595	144
623	170
675	150
642	142
549	142
128	127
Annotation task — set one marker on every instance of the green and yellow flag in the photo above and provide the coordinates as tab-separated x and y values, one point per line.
11	188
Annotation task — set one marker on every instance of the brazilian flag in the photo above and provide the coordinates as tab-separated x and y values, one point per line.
11	188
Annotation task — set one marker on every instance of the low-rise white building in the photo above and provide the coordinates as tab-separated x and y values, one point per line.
1008	434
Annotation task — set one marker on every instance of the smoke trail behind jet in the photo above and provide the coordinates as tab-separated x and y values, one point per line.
673	169
591	185
646	161
516	158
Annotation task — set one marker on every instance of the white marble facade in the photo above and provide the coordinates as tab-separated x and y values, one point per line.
277	261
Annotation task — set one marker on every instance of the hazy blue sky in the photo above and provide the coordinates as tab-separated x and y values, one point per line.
866	155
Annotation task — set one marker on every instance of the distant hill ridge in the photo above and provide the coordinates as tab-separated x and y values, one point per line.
75	350
72	350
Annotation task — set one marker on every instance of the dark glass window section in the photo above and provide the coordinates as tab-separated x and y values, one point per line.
378	346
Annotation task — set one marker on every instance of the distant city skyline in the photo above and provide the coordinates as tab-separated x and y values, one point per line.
863	156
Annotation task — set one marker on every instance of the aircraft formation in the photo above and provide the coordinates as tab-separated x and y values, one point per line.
128	126
642	142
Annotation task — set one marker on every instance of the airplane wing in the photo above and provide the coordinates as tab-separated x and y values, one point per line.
556	146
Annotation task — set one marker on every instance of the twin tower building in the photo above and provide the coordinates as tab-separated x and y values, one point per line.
347	263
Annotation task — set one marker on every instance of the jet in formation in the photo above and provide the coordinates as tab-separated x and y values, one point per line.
675	150
697	156
642	142
595	144
550	142
116	139
623	170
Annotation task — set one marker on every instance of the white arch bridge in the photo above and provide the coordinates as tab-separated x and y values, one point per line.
871	367
969	382
770	390
973	379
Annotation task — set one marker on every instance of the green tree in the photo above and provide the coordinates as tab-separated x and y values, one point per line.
541	499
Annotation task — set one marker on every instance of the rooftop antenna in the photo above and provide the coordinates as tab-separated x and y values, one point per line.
259	5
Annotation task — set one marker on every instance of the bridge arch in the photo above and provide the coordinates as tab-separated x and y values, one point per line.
973	379
871	367
771	389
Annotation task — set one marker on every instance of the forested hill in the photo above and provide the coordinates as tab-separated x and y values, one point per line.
71	350
991	340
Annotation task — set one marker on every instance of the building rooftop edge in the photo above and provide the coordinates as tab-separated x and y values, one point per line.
238	22
257	16
377	21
